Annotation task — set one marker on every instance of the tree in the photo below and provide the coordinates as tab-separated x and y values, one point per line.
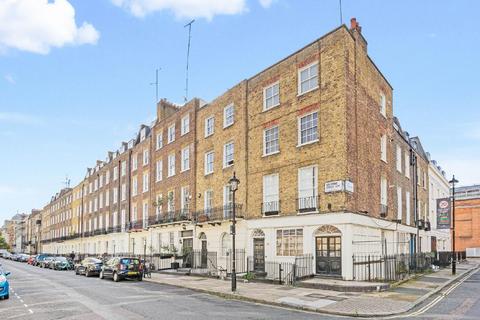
3	243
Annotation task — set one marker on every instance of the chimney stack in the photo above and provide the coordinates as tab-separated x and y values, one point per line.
354	25
356	31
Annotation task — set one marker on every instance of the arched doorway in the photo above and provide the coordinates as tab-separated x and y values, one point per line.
258	250
328	251
203	251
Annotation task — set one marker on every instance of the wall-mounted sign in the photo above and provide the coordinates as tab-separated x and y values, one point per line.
443	213
349	186
334	186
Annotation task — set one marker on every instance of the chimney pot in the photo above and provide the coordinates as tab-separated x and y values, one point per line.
353	23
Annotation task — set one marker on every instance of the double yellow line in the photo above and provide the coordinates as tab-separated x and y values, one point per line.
436	300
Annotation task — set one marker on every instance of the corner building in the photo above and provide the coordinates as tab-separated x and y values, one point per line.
325	170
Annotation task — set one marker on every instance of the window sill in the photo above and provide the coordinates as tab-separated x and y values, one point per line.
228	125
270	154
181	171
226	167
182	134
206	136
208	174
270	108
383	160
307	143
307	212
299	94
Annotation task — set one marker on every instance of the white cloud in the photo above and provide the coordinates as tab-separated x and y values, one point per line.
184	8
20	118
10	79
266	3
38	25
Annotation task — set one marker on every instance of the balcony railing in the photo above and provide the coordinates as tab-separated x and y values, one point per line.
117	228
271	208
218	213
308	204
171	216
383	210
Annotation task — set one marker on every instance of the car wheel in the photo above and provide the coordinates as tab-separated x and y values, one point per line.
76	272
140	278
116	278
6	296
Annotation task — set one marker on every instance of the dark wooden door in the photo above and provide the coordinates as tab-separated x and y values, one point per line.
328	255
204	254
259	255
187	249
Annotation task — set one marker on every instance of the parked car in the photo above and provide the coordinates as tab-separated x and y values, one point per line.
22	257
121	268
6	255
4	286
89	267
45	263
14	257
39	258
61	263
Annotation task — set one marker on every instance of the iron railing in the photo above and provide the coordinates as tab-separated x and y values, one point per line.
308	204
271	208
218	213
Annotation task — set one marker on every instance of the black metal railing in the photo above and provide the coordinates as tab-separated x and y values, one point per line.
218	213
308	204
171	216
284	272
397	267
271	208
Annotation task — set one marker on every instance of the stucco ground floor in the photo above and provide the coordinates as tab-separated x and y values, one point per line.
331	241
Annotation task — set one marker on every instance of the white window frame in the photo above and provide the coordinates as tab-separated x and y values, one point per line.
185	165
266	98
159	142
299	129
383	191
407	207
145	181
270	200
313	189
383	148
134	162
159	170
300	81
399	203
407	164
124	168
265	153
185	126
171	164
399	158
225	116
171	134
146	156
207	171
208	201
134	186
383	104
209	132
225	162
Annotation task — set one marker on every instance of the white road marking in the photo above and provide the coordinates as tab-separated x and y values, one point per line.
21	300
25	305
30	310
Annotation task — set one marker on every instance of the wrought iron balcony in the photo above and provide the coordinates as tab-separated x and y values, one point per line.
218	213
383	210
271	208
170	217
308	204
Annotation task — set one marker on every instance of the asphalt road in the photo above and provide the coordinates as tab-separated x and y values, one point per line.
46	294
463	302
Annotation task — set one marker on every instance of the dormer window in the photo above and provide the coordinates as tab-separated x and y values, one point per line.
142	134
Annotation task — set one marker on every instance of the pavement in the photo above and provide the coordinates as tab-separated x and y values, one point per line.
397	300
47	294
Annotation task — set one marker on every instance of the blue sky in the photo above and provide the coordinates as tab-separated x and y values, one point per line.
75	84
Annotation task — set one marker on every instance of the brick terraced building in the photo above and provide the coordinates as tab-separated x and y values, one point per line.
325	170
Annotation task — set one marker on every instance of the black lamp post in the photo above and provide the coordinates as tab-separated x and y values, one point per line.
454	262
233	183
144	249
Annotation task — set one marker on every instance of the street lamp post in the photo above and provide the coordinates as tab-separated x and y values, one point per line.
233	182
144	249
454	262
